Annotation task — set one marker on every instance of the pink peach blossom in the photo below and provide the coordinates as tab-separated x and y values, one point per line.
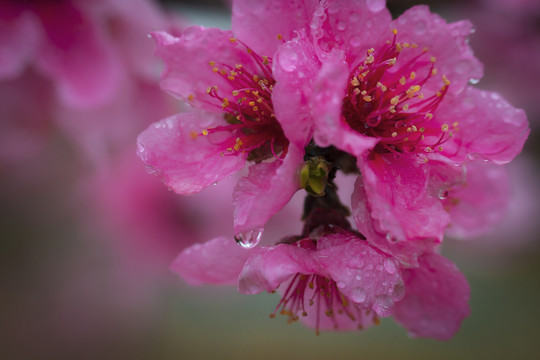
241	114
397	97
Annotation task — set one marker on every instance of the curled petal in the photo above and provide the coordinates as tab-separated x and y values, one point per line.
187	162
436	299
218	261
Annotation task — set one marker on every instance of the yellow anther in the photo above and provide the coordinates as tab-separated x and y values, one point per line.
238	66
364	74
433	59
235	92
405	107
254	92
225	103
251	103
394	134
255	108
421	137
215	69
414	129
414	46
363	92
409	129
399	48
406	45
233	40
406	139
204	132
234	73
433	72
446	81
223	72
255	78
370	59
382	86
455	124
238	144
394	100
355	82
428	116
422	129
392	61
230	77
265	60
193	135
403	80
367	98
356	91
370	51
438	93
428	149
211	63
279	36
440	148
392	109
209	89
191	97
413	75
421	96
444	127
394	31
425	50
259	100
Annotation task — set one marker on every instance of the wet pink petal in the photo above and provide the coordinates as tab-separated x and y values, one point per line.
295	67
350	25
488	127
446	42
326	105
399	203
186	161
481	202
218	261
436	298
267	188
264	25
190	65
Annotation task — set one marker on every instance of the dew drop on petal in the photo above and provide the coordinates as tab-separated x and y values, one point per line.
398	292
389	266
340	285
383	305
376	5
391	238
443	194
474	81
249	239
358	295
341	26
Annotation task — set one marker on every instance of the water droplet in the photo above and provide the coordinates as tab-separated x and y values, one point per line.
391	238
358	295
474	81
249	239
358	277
340	285
341	26
443	194
288	58
383	305
150	169
389	266
398	292
140	148
376	5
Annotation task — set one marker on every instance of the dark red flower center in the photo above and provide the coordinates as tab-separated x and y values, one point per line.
251	125
385	99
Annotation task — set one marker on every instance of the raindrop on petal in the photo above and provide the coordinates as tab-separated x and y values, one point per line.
443	194
249	239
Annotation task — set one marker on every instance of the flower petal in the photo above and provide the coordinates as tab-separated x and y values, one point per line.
187	72
267	188
218	261
259	23
446	42
488	127
326	106
185	161
436	299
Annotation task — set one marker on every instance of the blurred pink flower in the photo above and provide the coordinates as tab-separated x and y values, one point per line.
93	57
395	94
241	113
338	281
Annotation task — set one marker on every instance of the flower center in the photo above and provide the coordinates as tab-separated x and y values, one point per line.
385	99
317	293
252	125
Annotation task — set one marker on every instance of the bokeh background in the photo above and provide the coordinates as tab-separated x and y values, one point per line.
84	272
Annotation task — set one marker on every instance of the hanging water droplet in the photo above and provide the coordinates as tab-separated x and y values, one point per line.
443	194
389	266
391	238
383	305
358	295
249	239
474	81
